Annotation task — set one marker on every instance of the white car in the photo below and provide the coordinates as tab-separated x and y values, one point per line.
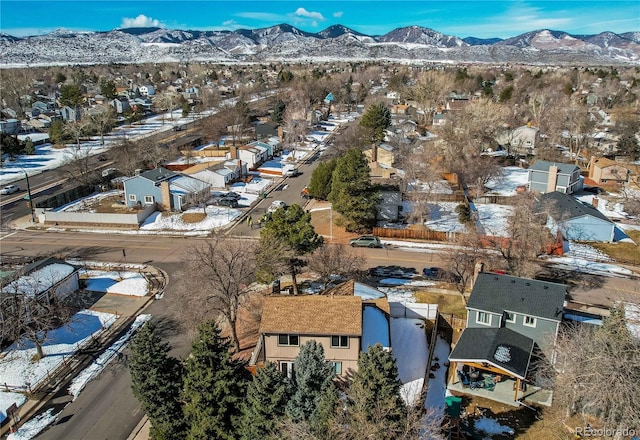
9	189
277	204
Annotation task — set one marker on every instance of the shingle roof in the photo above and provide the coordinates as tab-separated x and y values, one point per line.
501	347
563	168
497	293
312	315
159	174
569	207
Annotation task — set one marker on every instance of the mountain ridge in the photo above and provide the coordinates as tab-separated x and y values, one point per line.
286	42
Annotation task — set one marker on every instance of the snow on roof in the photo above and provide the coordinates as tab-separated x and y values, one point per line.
188	184
39	280
375	328
366	292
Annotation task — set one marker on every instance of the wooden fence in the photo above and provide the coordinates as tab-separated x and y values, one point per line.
420	234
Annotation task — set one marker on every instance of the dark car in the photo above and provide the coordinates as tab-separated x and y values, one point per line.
232	195
227	201
433	273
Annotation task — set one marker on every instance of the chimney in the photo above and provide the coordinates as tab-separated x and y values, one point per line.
280	134
166	195
233	151
594	202
552	179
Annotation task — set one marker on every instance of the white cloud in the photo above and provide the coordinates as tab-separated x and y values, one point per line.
302	12
140	21
338	14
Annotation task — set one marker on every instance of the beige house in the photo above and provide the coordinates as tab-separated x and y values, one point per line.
343	321
603	170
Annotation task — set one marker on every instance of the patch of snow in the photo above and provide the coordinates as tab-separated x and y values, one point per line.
491	427
436	392
410	350
34	426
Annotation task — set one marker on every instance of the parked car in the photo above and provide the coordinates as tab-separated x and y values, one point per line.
9	189
275	205
232	195
370	241
433	273
226	201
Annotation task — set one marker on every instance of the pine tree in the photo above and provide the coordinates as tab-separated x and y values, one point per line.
374	396
377	119
352	194
312	376
267	396
320	183
157	380
286	237
214	386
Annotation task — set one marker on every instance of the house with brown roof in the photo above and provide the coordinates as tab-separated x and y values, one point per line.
346	320
603	171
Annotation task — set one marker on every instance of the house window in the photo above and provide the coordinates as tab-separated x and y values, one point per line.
561	189
337	367
483	318
510	317
291	340
148	200
132	197
339	342
286	367
530	321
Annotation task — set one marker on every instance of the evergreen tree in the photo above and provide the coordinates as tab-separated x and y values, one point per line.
267	396
29	147
10	145
278	111
312	376
320	183
352	194
377	118
374	396
286	237
214	386
71	95
108	89
157	380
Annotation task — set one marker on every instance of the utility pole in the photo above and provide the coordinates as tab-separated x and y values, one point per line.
33	215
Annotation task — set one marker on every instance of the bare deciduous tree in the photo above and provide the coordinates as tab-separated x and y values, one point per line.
597	372
528	237
77	166
217	277
462	258
29	311
329	260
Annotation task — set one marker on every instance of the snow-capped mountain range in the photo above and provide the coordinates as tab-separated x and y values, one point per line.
287	43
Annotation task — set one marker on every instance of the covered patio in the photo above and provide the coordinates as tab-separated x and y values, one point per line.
493	363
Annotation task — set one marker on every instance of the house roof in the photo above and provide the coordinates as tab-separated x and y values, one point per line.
563	168
498	293
159	174
188	184
501	347
569	207
312	315
603	162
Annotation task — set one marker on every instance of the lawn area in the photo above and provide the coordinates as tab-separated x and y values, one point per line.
448	303
623	252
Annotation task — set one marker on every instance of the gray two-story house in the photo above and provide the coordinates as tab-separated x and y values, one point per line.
166	189
546	177
512	324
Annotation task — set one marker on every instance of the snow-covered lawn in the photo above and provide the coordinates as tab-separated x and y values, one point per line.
438	385
507	184
17	368
410	350
122	283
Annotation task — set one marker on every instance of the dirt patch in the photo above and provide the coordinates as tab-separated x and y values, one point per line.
447	303
322	218
528	423
193	217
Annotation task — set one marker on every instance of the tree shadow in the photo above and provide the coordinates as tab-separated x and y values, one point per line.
573	279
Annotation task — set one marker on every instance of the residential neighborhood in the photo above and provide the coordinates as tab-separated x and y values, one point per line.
369	248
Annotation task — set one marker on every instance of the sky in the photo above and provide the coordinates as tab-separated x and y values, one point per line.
482	19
